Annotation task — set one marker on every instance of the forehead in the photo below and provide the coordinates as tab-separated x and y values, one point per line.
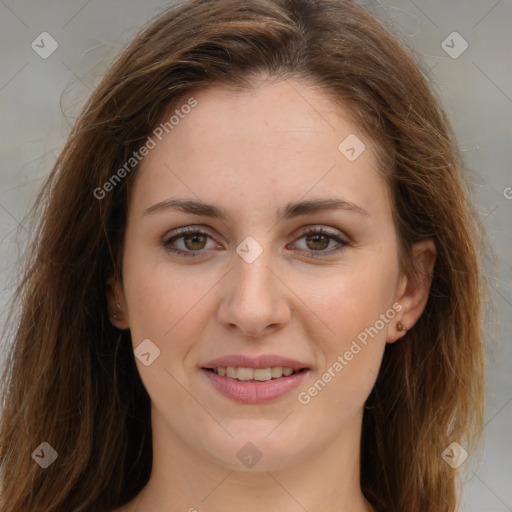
275	142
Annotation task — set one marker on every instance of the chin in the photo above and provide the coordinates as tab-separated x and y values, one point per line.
255	450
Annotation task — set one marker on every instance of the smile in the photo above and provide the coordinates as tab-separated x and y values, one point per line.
256	374
254	385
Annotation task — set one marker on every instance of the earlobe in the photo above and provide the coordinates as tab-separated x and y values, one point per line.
116	304
414	289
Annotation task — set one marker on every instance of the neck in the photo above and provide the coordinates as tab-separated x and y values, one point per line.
327	480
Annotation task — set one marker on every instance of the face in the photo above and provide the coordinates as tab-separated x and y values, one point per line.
267	284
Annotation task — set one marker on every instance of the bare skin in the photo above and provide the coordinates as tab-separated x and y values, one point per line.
252	153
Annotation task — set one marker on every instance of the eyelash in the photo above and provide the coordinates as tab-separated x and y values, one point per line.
199	253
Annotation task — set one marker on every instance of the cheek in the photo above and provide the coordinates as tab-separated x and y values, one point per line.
353	298
162	301
165	307
351	354
357	308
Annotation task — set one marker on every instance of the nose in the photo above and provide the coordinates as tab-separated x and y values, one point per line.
255	299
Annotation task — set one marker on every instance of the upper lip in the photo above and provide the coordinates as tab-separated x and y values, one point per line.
261	361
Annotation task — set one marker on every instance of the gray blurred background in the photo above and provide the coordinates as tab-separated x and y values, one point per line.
41	93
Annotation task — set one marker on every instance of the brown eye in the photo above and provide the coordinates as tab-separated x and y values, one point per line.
318	241
188	242
194	242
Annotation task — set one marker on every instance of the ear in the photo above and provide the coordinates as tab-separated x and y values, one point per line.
414	288
117	304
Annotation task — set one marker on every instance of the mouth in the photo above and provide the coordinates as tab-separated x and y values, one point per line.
249	385
246	374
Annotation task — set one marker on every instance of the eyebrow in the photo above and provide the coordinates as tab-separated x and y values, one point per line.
290	211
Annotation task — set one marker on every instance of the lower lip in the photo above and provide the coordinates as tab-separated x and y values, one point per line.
255	392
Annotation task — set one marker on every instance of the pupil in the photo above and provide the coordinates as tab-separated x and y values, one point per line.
316	240
194	240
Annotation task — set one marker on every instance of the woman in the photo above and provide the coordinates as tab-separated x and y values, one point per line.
255	283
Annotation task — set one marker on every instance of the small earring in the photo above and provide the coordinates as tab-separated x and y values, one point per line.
402	327
118	306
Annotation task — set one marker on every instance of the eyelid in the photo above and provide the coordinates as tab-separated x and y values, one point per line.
197	228
321	228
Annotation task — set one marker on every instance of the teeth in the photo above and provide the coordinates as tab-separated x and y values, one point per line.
259	374
245	373
263	374
276	372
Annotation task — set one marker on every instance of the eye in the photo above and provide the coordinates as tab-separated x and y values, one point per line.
192	241
317	240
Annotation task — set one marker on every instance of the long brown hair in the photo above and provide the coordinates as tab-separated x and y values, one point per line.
71	378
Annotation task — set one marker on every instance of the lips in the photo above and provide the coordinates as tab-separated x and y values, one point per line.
254	380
